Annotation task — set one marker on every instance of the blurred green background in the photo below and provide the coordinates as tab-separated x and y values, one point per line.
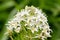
50	7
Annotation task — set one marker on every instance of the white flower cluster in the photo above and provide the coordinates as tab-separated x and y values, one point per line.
33	19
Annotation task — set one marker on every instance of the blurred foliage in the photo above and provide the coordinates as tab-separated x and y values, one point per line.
50	7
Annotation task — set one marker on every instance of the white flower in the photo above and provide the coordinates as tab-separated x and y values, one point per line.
32	17
17	30
33	29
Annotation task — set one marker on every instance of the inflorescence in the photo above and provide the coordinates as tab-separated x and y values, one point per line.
32	19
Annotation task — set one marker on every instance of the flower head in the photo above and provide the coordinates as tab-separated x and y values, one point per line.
32	19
